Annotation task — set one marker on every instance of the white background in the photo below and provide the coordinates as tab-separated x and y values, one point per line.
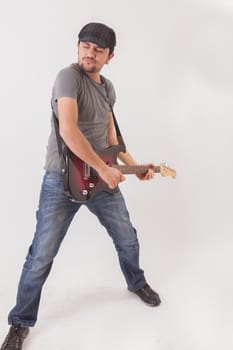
174	79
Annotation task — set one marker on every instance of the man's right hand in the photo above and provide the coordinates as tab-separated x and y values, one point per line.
111	176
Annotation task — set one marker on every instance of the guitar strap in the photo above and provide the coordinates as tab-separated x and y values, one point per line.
118	132
63	152
58	137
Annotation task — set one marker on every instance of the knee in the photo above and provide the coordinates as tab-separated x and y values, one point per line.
128	245
38	263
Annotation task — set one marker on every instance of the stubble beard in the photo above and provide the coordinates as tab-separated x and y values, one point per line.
88	69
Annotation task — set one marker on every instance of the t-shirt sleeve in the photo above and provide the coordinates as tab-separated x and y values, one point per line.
112	94
66	84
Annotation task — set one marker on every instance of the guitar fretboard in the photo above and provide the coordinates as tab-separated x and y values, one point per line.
135	169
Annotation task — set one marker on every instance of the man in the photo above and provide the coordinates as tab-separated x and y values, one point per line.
80	101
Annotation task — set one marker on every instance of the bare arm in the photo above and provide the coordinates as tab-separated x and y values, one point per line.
126	157
79	145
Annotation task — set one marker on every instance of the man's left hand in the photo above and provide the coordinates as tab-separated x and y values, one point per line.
146	176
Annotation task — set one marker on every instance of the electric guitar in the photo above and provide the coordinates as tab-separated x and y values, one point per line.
83	182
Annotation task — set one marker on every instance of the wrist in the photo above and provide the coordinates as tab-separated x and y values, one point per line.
101	167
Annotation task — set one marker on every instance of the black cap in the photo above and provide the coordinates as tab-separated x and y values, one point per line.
98	33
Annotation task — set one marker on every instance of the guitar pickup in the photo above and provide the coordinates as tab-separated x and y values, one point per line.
86	171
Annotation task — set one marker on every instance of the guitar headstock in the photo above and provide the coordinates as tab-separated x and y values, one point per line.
167	171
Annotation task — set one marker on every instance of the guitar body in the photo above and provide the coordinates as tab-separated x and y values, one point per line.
83	181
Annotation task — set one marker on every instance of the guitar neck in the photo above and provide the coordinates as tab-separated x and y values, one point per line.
135	169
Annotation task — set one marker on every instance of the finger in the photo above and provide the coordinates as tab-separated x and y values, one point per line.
112	185
122	178
149	176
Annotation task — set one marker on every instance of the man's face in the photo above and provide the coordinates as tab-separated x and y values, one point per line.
91	57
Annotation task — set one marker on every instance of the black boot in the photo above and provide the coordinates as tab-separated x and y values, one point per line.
15	337
148	295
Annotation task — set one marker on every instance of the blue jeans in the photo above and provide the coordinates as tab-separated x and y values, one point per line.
54	216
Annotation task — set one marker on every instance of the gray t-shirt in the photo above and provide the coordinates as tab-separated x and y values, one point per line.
93	109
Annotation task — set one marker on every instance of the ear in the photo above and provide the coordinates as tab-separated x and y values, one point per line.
110	57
